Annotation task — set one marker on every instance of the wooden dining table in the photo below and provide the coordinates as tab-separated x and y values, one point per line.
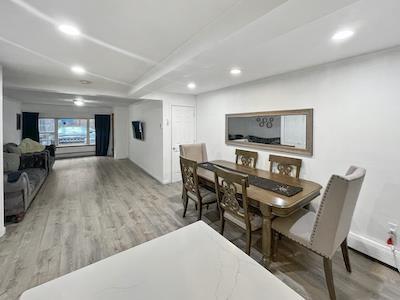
271	204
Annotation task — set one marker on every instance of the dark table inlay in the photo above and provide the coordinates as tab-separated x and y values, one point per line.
263	183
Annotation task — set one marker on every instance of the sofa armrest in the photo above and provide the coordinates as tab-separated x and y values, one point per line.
51	149
34	160
21	184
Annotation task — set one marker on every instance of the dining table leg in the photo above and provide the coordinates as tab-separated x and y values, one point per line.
266	211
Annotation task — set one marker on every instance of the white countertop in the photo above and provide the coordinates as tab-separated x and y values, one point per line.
194	262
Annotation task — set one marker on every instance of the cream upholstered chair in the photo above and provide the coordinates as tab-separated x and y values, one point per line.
196	152
323	232
234	206
191	188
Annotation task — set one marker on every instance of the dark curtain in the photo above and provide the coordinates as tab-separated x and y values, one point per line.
30	126
102	125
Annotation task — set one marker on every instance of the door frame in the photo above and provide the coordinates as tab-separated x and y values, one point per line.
195	136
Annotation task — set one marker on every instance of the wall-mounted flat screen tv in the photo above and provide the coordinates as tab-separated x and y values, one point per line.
137	128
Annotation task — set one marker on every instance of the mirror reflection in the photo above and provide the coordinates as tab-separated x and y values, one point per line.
288	131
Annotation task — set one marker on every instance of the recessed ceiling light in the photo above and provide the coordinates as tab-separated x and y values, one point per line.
69	30
235	71
85	81
191	85
342	35
78	70
79	101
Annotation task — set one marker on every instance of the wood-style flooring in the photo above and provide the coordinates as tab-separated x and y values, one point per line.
91	208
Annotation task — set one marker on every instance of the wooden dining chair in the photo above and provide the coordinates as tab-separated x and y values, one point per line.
191	188
234	206
246	158
323	232
197	152
287	166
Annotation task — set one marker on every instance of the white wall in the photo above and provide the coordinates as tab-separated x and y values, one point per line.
356	111
2	228
168	100
68	111
121	132
147	154
154	155
10	110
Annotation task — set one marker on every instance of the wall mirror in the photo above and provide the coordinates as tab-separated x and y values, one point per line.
286	131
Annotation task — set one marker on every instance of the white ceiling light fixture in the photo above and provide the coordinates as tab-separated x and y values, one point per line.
342	35
235	71
78	70
191	85
69	30
79	101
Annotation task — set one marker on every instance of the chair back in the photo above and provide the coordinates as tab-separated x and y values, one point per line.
190	179
287	166
196	152
333	220
246	158
229	196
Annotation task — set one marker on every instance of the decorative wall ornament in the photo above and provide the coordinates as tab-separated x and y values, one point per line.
265	122
19	122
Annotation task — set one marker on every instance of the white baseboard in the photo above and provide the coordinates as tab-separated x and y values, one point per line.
2	231
372	248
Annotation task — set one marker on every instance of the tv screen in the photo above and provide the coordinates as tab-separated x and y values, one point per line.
137	128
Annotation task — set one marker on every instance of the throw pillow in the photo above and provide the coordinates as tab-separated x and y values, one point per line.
11	148
11	162
30	146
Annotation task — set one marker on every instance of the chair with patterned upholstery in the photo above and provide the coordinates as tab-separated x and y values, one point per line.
323	232
287	166
246	158
191	188
234	206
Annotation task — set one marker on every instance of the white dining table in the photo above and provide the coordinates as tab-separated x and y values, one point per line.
194	262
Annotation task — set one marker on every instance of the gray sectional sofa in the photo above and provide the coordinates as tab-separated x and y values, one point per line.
24	175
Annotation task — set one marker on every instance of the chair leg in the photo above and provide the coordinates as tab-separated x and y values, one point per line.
185	205
221	231
329	278
200	211
345	252
248	241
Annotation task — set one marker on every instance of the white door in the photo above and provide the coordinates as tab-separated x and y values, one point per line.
183	132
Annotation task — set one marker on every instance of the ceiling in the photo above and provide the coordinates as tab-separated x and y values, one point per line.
131	48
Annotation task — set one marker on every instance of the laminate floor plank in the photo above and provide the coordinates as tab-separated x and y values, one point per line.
91	208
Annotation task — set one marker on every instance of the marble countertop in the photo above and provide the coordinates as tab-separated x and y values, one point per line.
194	262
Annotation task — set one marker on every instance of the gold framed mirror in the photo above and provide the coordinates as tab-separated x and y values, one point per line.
289	131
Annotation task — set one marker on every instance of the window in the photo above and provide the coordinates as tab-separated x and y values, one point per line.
47	132
72	132
67	132
92	132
